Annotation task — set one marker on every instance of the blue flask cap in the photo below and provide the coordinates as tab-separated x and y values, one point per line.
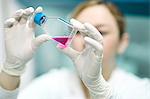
40	18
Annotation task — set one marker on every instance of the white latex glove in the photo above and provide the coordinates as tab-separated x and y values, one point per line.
20	40
89	62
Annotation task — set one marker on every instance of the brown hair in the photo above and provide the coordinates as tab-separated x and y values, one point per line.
112	8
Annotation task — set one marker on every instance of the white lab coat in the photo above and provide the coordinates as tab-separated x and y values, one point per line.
63	84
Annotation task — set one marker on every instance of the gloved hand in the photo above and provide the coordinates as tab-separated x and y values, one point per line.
89	62
20	40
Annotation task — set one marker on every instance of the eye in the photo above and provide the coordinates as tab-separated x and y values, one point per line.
103	33
78	32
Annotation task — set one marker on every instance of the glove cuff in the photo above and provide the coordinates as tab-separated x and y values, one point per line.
100	88
13	69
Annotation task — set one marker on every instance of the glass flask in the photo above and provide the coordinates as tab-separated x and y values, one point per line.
59	29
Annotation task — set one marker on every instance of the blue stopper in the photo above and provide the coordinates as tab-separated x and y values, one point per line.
40	18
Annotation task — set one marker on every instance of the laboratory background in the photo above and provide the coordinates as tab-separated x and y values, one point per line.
136	59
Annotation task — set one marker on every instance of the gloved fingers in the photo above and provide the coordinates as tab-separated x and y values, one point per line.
18	14
79	26
31	20
93	32
94	44
29	11
68	51
87	29
26	14
40	39
10	23
39	9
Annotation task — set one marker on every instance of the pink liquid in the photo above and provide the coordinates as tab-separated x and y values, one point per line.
62	40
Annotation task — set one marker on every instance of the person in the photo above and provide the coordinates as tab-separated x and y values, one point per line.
100	38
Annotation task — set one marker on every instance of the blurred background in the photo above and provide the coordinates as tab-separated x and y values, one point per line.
135	60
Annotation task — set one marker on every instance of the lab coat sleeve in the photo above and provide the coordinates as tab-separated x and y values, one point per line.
141	91
5	94
125	85
115	95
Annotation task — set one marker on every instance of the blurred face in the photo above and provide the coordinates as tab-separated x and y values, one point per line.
103	20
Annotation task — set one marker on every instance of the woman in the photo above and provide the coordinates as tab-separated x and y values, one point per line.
89	47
